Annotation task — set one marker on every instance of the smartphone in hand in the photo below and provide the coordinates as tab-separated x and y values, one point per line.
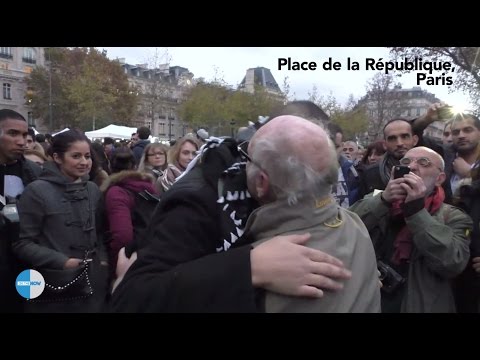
400	170
445	113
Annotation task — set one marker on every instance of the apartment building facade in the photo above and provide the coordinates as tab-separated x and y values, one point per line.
15	65
160	93
407	103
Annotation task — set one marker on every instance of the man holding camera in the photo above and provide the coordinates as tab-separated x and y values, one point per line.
15	173
421	243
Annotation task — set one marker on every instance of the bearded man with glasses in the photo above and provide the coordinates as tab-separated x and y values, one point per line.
421	243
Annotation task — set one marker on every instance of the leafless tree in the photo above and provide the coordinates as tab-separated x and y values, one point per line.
383	102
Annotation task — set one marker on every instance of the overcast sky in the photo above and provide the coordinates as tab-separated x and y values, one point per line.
231	64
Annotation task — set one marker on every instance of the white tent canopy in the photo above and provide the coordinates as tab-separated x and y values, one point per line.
113	131
61	131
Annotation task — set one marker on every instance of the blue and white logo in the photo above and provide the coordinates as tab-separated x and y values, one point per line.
30	284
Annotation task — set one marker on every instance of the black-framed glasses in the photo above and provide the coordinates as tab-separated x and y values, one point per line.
154	154
246	156
242	151
421	161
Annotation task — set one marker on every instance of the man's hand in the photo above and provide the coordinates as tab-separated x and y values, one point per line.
286	266
123	264
433	111
394	191
432	115
72	263
476	264
414	187
461	167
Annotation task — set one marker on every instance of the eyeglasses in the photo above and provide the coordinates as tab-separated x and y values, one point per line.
348	149
247	157
422	161
243	152
155	154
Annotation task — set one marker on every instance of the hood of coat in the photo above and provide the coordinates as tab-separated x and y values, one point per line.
132	180
51	173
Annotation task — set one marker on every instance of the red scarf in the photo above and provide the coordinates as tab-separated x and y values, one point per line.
403	241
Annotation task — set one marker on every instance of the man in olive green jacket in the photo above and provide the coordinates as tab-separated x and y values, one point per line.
420	242
292	167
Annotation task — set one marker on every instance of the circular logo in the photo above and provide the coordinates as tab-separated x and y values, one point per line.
30	284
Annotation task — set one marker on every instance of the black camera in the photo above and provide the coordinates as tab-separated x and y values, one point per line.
391	279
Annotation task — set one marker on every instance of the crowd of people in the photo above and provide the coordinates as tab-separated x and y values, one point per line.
287	217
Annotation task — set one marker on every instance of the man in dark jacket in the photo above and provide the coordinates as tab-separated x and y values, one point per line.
399	138
143	134
184	265
15	173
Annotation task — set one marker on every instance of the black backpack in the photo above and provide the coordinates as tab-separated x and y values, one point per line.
145	204
143	209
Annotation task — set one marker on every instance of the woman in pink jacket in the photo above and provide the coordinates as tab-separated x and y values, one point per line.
121	190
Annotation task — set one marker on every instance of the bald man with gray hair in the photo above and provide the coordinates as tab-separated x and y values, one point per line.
421	243
292	167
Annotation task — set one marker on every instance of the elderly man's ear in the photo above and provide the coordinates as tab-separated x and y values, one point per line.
262	184
440	179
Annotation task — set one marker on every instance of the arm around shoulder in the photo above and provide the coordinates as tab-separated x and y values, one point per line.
218	282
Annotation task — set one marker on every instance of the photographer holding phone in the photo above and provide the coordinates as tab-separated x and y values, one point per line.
423	241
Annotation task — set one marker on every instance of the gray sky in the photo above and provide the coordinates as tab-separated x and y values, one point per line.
231	64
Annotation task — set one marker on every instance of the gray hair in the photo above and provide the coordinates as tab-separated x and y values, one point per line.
289	176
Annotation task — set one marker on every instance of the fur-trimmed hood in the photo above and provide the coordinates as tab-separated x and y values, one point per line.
131	179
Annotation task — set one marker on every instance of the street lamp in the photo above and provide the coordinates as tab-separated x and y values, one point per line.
169	129
50	110
232	124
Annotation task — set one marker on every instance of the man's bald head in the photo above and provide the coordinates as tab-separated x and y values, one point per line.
293	135
433	156
432	175
291	157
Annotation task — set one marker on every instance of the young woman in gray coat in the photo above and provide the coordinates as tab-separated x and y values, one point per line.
58	230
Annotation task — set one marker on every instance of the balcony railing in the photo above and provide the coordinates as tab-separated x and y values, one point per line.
6	56
29	60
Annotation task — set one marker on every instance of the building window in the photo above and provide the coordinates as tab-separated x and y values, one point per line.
409	112
31	122
161	128
7	91
6	52
149	124
419	111
29	55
